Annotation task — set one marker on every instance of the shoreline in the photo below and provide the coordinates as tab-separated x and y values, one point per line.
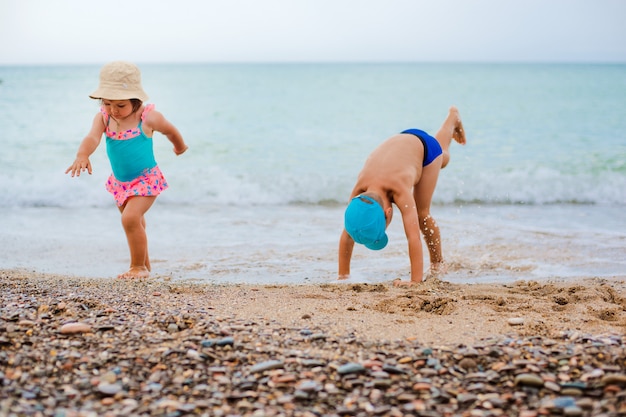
487	245
435	312
153	346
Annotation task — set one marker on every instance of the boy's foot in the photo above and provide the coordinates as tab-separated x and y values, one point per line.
135	272
459	132
400	283
437	270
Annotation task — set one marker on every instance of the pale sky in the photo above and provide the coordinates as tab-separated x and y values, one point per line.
145	31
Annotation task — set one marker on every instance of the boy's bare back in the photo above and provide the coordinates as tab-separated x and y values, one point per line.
395	164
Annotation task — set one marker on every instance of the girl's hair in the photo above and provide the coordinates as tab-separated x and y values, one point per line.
135	102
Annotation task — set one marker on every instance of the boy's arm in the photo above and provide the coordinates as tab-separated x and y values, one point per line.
346	245
410	221
158	122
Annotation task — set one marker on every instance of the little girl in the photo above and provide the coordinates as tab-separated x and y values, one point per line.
136	180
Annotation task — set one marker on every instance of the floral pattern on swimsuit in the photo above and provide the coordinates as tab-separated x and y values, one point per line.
150	184
127	134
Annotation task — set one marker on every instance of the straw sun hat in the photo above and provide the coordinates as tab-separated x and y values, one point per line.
120	80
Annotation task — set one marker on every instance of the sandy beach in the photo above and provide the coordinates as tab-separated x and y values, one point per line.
153	347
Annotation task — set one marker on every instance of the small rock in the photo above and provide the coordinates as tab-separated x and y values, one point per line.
468	364
552	386
529	380
573	411
73	328
266	366
350	368
308	386
614	379
108	389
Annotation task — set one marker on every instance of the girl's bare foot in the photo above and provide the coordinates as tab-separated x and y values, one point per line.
135	272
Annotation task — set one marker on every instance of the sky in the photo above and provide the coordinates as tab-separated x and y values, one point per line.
161	31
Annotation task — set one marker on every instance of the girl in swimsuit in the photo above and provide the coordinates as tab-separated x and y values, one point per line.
136	180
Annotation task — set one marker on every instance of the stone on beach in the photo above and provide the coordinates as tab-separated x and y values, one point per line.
72	328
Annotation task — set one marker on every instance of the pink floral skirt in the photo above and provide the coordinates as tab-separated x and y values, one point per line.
150	183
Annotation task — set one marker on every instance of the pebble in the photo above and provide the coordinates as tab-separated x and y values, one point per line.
572	411
350	368
224	341
308	386
468	364
106	388
73	328
529	380
266	366
552	386
614	379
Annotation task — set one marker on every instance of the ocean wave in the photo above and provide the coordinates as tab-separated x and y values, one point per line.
511	188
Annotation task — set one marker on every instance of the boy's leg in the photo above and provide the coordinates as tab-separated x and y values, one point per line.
423	194
452	128
134	225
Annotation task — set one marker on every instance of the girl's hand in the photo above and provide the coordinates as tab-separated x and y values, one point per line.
80	165
181	151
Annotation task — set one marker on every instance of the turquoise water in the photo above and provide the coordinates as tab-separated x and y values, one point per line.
274	152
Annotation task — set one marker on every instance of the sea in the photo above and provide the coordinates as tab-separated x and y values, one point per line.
537	193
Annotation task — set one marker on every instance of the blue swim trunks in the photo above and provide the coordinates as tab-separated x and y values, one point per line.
432	148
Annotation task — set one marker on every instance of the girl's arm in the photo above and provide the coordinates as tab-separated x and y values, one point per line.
156	121
87	147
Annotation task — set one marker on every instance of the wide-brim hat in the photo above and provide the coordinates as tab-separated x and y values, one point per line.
120	80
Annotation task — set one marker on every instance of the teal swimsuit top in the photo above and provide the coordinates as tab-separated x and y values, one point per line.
131	153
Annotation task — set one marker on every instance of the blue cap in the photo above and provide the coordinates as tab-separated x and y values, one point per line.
365	222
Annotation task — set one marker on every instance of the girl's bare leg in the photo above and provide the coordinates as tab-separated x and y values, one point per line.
452	128
134	225
143	222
